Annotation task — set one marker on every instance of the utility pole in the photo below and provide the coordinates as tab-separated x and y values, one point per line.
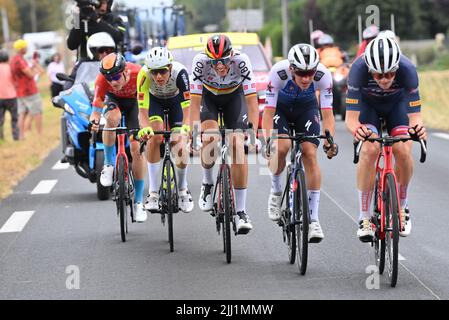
5	26
33	16
285	33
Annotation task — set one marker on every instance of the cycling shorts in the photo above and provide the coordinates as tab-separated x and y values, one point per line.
233	105
394	113
175	115
304	120
127	106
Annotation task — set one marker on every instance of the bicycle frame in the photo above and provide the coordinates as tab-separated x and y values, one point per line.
386	154
121	137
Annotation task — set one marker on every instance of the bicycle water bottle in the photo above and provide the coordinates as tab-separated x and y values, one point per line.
172	180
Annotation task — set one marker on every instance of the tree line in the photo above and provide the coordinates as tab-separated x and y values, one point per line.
414	19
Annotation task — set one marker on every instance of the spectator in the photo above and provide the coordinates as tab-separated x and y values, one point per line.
55	66
8	96
28	98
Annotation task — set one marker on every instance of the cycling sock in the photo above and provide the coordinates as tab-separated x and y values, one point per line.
208	175
139	185
109	155
182	178
276	186
403	195
365	204
153	170
240	200
314	203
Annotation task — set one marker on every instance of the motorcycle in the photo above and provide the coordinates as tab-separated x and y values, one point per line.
78	146
340	88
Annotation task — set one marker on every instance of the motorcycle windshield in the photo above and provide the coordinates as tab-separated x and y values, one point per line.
87	72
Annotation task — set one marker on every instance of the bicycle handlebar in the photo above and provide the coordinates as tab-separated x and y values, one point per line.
300	137
390	141
196	133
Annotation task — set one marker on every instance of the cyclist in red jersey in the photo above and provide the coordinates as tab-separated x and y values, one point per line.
116	93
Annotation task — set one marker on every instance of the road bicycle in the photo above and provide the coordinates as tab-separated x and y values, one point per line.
295	215
387	216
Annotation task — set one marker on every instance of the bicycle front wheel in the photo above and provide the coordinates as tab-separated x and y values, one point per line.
169	171
289	228
301	211
392	228
379	237
121	197
226	203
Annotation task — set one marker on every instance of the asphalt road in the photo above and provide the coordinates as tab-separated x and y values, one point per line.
70	233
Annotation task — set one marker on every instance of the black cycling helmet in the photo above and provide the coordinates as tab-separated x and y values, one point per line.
218	46
4	56
112	64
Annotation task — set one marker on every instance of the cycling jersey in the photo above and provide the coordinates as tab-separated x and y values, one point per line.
331	57
282	89
240	75
362	87
102	86
178	82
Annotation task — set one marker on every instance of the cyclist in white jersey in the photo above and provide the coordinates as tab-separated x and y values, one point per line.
223	79
291	99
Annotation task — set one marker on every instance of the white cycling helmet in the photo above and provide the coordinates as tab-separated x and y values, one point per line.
325	39
382	55
158	57
303	56
388	33
370	32
99	40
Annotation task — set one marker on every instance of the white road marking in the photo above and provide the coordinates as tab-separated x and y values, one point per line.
17	221
400	257
44	187
441	135
61	166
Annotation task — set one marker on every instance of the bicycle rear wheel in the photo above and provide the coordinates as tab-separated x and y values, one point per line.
392	225
226	203
121	197
301	205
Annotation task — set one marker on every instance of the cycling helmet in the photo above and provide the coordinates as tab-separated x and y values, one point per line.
370	32
303	57
315	35
388	33
382	55
112	64
99	40
325	39
218	46
158	57
4	56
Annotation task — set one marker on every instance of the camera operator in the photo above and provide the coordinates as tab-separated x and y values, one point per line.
94	16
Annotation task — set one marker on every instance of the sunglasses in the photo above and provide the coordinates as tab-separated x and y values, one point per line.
162	71
304	73
387	75
225	60
114	77
105	50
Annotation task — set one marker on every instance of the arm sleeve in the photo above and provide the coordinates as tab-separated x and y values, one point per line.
273	87
246	71
412	91
74	39
183	84
355	83
196	85
143	89
100	92
325	87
